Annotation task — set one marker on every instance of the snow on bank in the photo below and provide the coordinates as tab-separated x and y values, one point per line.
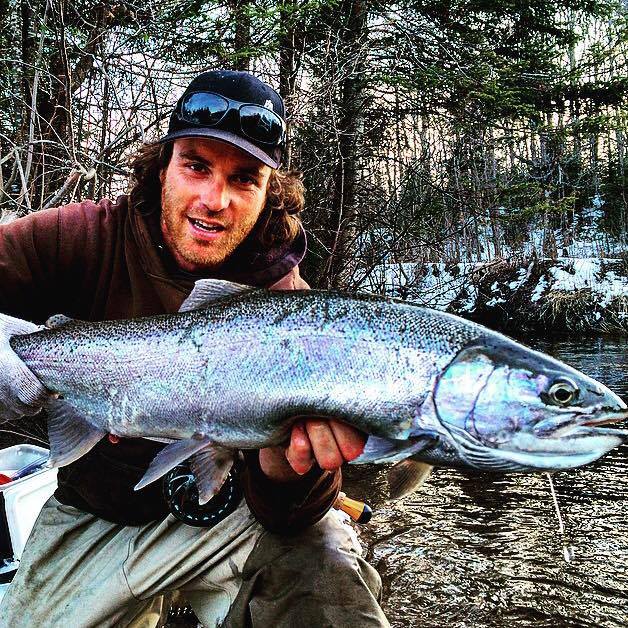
578	294
598	275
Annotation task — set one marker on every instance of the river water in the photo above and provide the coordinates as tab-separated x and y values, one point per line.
479	550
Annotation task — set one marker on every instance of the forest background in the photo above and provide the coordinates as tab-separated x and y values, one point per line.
436	139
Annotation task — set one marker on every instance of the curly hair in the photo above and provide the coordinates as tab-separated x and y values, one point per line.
279	222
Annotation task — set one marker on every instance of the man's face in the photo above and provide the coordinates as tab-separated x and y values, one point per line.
212	194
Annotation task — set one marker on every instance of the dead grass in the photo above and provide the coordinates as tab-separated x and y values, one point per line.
580	311
616	318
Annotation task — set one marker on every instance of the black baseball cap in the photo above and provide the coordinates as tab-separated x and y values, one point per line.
252	118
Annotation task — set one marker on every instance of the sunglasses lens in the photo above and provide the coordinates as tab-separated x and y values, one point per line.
260	124
204	108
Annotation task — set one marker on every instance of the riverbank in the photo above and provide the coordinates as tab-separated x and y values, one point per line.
566	295
550	296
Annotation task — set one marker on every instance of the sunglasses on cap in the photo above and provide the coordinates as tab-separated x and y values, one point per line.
210	109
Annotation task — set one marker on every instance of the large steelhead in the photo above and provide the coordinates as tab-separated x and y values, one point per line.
236	365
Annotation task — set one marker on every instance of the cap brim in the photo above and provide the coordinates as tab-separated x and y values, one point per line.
224	136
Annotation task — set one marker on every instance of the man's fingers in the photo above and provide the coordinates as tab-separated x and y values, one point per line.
299	452
349	440
329	442
324	445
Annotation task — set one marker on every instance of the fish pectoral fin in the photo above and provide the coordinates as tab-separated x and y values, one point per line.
407	476
376	448
210	468
207	290
169	457
71	435
58	320
379	449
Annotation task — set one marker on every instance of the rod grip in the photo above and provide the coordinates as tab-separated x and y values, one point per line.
360	512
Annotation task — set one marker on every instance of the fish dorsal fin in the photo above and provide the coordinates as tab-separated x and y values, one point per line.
207	290
58	320
407	476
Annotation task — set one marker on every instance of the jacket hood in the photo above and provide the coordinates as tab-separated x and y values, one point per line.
249	264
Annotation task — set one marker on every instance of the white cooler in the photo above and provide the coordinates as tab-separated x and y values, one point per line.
20	503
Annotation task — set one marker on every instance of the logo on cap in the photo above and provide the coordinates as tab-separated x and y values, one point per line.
269	105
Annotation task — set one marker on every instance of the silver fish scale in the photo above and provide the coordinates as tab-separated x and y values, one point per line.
239	368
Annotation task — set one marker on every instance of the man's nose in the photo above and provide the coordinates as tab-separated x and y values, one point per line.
214	194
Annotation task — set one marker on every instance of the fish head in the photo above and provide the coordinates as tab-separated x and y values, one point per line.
507	407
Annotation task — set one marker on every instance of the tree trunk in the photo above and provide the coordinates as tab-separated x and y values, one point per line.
54	105
27	56
353	34
242	34
290	50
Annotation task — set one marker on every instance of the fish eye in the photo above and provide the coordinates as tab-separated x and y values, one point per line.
563	392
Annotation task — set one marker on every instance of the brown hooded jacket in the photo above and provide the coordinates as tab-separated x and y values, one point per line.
97	261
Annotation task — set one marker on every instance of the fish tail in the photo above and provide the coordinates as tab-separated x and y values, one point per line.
21	393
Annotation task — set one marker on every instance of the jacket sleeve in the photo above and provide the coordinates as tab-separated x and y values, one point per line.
52	260
287	507
28	261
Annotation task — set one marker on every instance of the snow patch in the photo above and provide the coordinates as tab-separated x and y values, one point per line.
539	290
455	287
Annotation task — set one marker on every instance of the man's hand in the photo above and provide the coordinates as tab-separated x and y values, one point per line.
329	443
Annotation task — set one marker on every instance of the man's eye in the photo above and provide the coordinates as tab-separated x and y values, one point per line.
196	167
246	179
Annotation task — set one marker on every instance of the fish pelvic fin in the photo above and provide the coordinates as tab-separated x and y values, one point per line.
207	290
25	393
210	468
407	476
170	456
71	435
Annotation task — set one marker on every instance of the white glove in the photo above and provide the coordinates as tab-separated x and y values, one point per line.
20	391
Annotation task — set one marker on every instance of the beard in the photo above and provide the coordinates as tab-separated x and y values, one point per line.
194	254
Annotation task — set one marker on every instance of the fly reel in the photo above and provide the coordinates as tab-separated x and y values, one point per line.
181	494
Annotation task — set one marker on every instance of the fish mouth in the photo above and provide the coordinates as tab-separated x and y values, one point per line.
610	417
576	438
567	441
596	426
591	420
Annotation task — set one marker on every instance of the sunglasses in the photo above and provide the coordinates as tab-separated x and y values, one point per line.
256	122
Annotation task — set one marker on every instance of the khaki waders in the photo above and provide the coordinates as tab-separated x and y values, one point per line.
78	570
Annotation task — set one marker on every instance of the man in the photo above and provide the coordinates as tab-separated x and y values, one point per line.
208	200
